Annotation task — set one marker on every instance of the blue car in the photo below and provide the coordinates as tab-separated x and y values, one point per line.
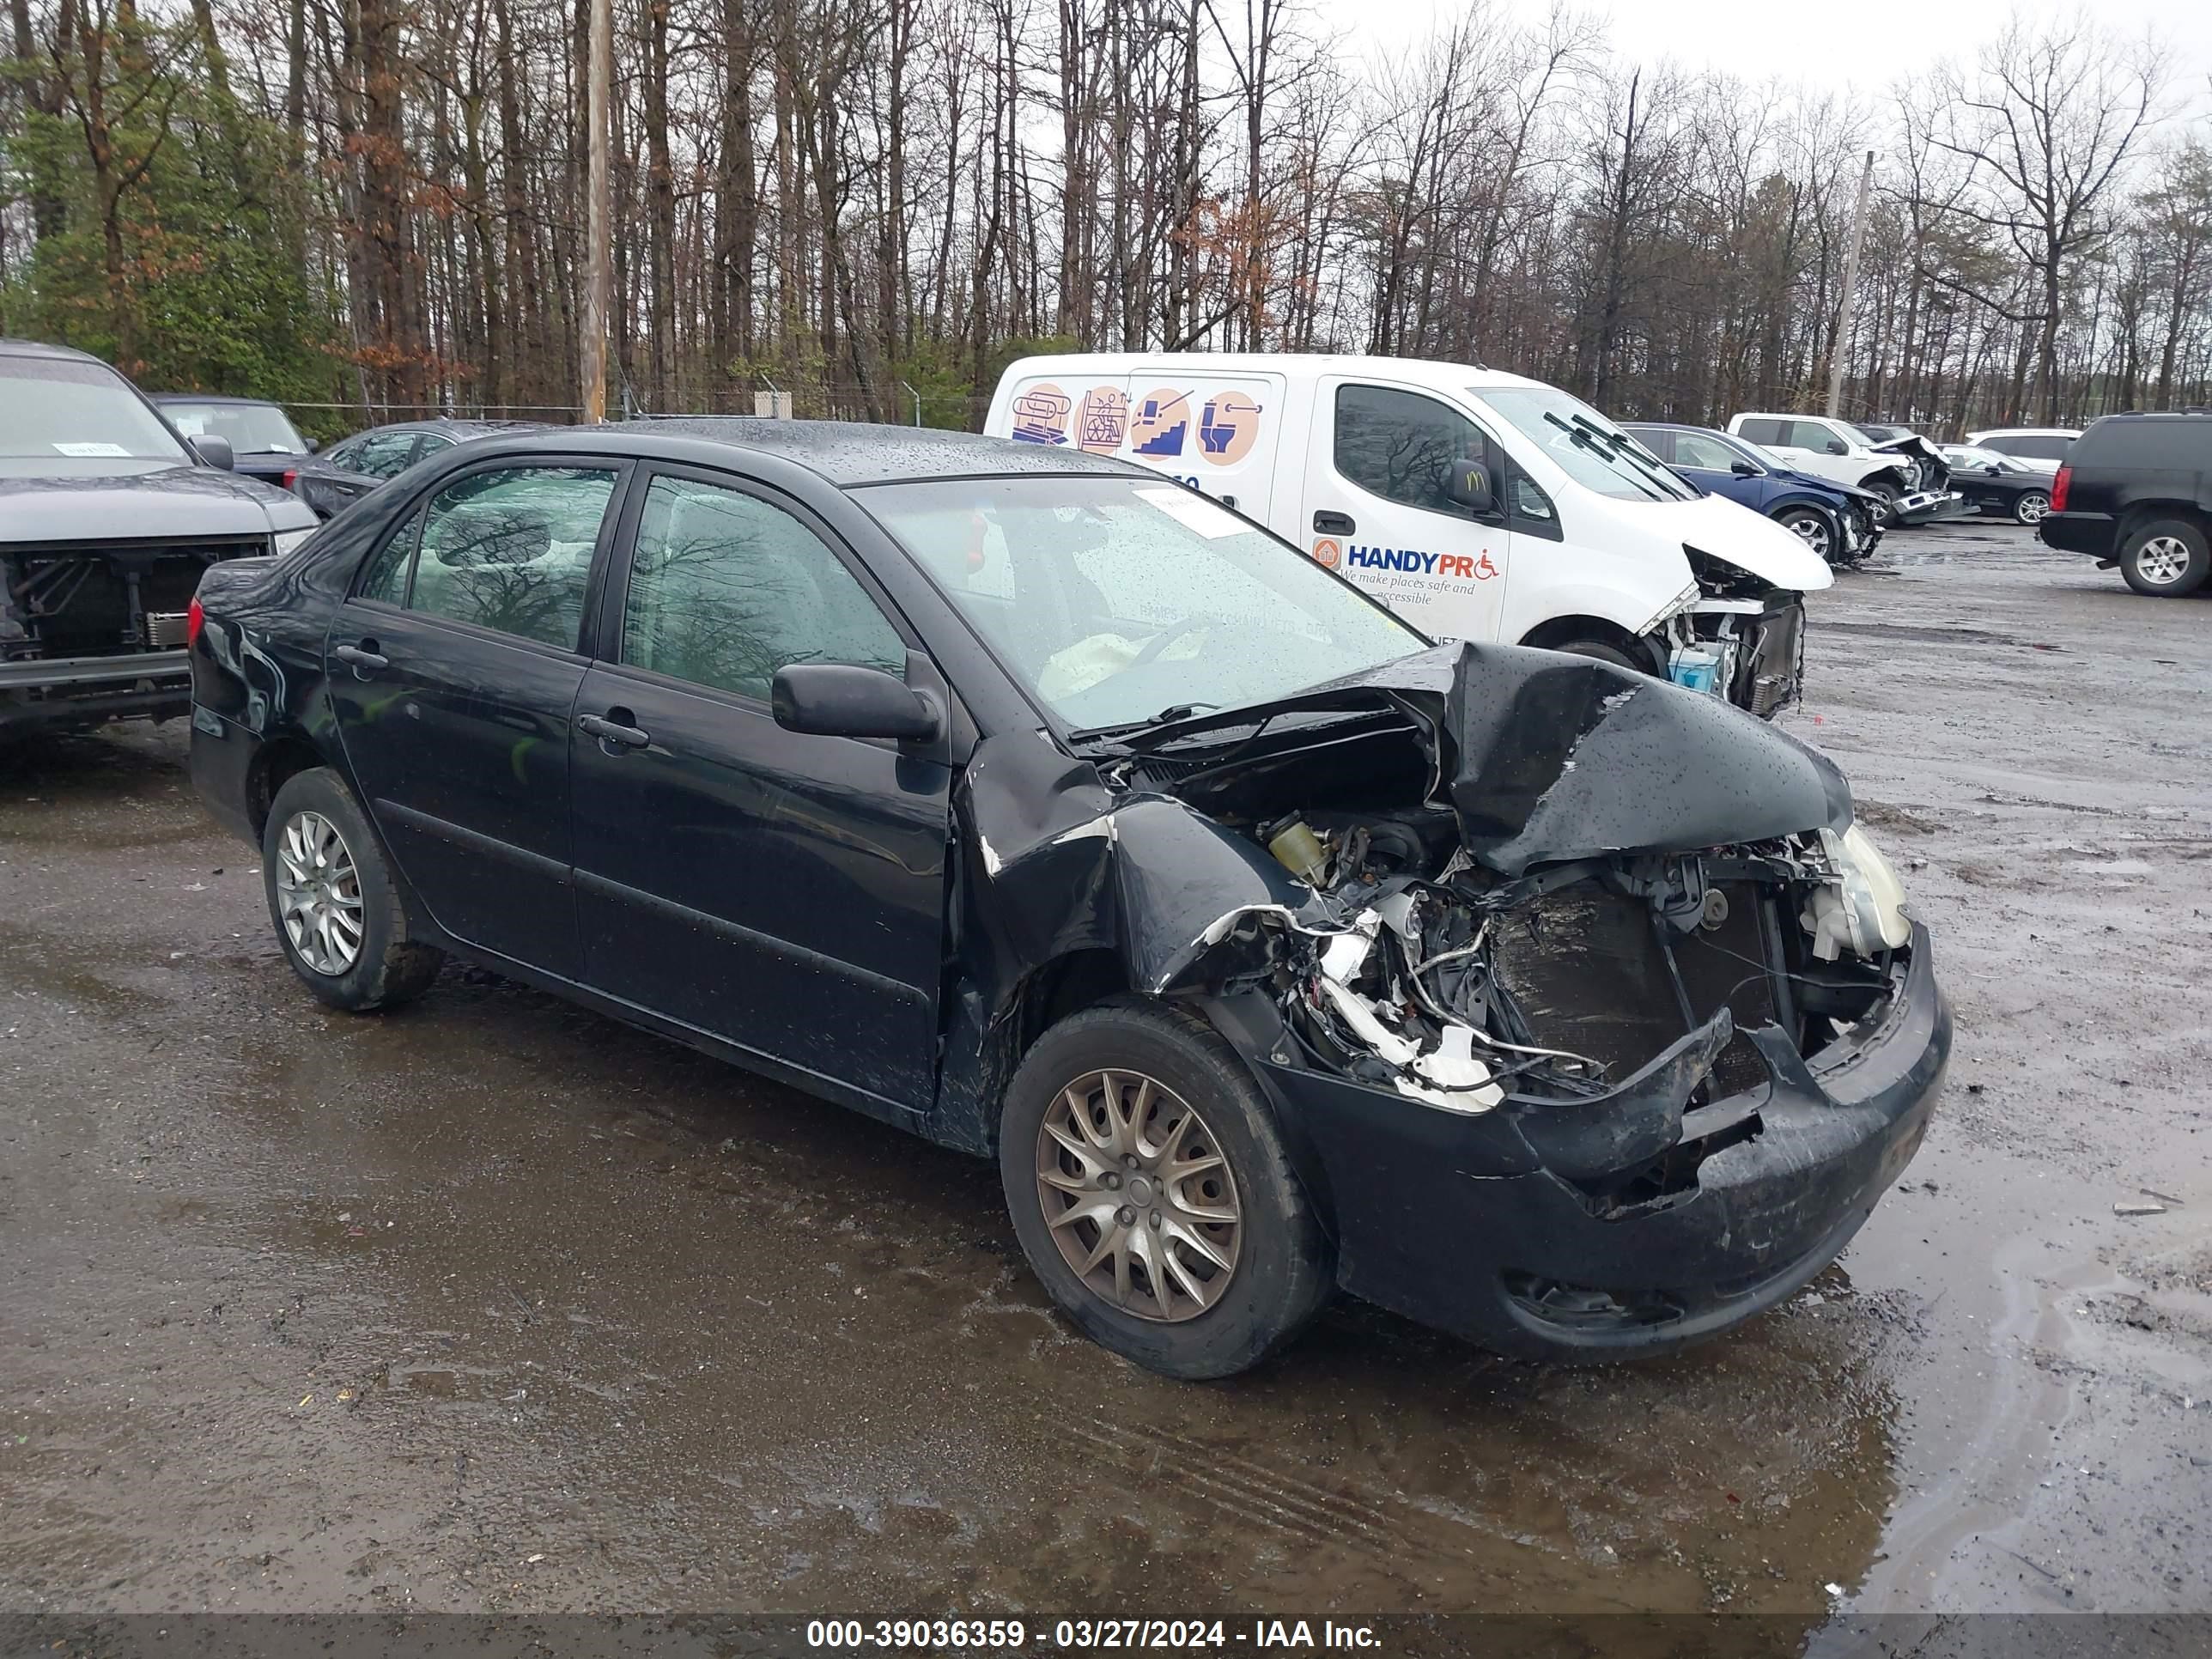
1838	522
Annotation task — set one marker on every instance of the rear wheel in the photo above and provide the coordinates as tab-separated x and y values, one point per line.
2166	558
1151	1193
337	909
1812	528
2030	506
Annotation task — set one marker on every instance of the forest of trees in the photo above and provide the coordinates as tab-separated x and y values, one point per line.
362	206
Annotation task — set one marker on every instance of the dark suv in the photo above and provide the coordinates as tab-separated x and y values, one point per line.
2136	491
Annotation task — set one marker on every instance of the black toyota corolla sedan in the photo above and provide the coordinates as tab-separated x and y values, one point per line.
1039	805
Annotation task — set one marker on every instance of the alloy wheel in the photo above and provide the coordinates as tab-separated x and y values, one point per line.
2031	506
2162	561
1138	1195
1812	531
319	894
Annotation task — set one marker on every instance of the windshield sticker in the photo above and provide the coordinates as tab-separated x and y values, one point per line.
1041	415
1161	420
1103	420
84	451
1228	429
1195	512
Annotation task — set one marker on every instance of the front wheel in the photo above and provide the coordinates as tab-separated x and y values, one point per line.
337	911
2030	506
1152	1195
2166	559
1886	498
1811	528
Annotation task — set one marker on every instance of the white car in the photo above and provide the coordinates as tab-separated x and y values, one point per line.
1476	505
1837	450
2042	447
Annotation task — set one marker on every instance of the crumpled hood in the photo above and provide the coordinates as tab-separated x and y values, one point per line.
112	500
1744	538
1546	757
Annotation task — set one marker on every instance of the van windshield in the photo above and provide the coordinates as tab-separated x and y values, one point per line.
1123	602
1585	446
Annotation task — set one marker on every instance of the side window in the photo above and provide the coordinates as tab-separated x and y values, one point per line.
386	576
384	454
1692	451
726	589
431	444
1527	509
346	457
1400	445
1817	437
511	549
2036	449
1766	431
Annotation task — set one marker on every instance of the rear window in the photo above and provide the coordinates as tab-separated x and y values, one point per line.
2178	443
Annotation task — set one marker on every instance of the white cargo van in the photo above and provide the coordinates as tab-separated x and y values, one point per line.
1476	505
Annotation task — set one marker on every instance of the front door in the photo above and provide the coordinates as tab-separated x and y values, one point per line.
1375	511
783	892
453	670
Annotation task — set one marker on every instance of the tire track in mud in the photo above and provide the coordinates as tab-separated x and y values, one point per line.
1388	1530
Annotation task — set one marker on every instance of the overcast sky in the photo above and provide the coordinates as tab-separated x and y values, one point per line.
1867	43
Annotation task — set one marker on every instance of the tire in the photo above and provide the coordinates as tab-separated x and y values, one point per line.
1885	510
1813	528
1603	653
2030	506
1281	1267
2166	558
384	967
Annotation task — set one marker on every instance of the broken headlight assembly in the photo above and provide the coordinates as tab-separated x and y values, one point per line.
1859	907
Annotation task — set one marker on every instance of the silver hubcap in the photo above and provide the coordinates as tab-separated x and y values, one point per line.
319	893
2033	508
1138	1195
2163	559
1813	533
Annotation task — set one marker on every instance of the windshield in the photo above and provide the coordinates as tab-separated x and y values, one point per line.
253	428
1969	455
62	408
1585	446
1122	602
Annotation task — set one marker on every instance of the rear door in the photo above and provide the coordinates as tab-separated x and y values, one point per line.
783	892
453	670
1375	510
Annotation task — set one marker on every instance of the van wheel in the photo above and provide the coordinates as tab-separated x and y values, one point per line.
1151	1193
1603	653
2166	558
337	910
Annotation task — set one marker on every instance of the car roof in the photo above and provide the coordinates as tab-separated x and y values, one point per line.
212	398
2024	431
842	453
40	349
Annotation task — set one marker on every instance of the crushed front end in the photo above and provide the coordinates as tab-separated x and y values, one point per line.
1578	1072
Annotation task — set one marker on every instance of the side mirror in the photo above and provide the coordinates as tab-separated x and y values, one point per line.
1992	468
314	446
1466	484
839	700
1743	469
213	450
1837	446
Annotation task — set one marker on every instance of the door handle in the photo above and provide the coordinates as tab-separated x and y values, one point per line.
610	731
364	659
1333	523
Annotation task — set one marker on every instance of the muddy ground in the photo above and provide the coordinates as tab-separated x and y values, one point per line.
494	1305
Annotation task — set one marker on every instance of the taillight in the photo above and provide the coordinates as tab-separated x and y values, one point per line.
195	619
2058	488
291	476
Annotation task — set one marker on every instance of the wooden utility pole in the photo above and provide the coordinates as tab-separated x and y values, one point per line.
598	194
1840	347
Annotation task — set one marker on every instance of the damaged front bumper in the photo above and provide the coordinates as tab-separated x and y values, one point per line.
1626	1223
1930	507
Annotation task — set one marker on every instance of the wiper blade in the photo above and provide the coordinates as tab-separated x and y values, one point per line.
1168	716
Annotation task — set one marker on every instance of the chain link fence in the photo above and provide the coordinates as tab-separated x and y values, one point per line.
816	400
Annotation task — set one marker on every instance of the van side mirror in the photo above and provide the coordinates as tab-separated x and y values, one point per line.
841	700
1466	484
213	450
